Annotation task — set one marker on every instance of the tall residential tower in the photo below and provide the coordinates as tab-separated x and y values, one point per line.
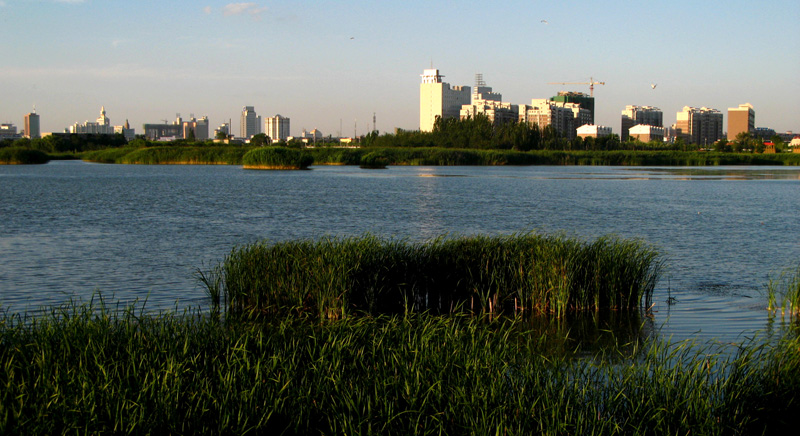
277	127
250	123
640	115
699	126
438	100
32	125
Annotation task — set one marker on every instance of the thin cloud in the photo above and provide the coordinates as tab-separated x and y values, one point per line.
207	10
242	9
117	42
135	71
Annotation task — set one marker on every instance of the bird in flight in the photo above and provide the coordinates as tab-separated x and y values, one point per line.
653	85
545	22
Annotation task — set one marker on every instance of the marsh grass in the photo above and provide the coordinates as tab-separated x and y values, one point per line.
374	160
783	293
518	274
279	158
22	156
95	370
168	155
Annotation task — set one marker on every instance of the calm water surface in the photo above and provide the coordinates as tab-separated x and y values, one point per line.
72	229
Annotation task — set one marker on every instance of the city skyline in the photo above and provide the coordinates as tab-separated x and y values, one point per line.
330	66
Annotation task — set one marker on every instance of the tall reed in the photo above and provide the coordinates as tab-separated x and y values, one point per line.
22	156
783	292
524	273
280	158
96	370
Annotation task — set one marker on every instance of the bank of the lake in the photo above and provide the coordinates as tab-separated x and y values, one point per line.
22	156
93	370
233	155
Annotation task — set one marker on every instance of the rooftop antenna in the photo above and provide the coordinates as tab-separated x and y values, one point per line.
373	122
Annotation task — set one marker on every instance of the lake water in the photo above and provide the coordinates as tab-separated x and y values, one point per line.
70	229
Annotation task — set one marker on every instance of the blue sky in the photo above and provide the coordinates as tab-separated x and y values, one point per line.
326	64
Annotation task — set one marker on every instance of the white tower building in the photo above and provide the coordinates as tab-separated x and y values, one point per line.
438	99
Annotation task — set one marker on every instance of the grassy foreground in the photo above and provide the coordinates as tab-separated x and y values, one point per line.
90	370
525	273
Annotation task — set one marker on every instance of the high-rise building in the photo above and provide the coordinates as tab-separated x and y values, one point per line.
179	129
8	131
101	126
498	112
489	103
223	130
561	116
481	92
741	119
701	126
438	100
32	125
198	128
585	101
636	115
126	131
277	127
250	123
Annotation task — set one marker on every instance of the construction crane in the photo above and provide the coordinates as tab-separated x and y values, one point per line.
591	84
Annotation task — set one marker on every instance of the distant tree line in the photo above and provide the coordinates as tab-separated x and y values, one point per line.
480	133
472	133
68	143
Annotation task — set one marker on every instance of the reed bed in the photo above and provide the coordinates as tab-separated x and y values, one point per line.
22	156
169	155
374	160
518	274
277	158
94	370
434	156
783	293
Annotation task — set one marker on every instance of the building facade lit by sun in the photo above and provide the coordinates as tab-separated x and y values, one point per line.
702	126
634	115
32	125
741	119
438	100
250	123
277	127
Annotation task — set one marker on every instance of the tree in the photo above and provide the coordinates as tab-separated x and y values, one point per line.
190	136
221	135
260	140
722	146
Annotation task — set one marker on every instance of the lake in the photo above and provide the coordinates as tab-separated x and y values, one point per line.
71	229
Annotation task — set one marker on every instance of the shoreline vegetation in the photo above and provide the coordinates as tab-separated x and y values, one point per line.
289	348
22	156
472	141
382	157
97	370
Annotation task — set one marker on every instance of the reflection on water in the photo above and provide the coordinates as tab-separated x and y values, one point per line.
612	334
72	229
